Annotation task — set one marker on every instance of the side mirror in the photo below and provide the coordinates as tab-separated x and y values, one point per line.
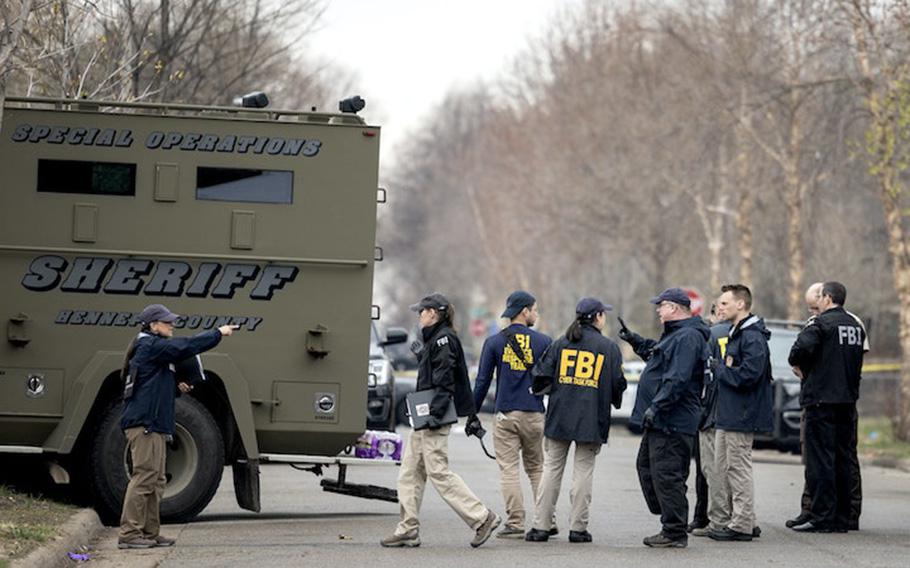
394	336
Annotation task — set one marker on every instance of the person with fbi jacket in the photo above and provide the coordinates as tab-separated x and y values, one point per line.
441	368
582	372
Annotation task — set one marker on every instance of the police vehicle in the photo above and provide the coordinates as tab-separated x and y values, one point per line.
261	218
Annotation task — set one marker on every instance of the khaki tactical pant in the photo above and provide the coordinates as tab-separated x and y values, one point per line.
426	455
556	452
726	459
518	436
139	518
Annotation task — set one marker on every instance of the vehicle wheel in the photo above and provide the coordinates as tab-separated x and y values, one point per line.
195	463
401	413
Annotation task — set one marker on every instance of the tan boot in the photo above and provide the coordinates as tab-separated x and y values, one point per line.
486	529
395	540
136	542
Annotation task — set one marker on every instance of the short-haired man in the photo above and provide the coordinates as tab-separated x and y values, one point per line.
813	295
668	408
829	355
518	431
742	383
717	345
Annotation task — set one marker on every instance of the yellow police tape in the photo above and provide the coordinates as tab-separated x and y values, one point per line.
881	368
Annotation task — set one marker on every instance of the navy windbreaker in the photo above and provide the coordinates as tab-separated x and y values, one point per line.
155	387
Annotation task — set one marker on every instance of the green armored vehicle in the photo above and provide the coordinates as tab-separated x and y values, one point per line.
260	218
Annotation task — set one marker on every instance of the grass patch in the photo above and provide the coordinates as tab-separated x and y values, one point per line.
876	438
27	522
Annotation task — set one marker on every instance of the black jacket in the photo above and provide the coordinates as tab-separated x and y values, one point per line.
829	352
442	367
744	394
155	387
717	348
672	379
586	378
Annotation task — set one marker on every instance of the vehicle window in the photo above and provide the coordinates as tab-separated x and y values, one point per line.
251	186
375	349
780	343
90	178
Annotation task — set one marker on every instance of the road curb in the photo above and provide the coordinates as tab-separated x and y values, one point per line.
886	462
78	531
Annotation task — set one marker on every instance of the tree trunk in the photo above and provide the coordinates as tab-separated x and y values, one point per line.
747	199
795	195
897	247
164	51
902	432
744	237
795	251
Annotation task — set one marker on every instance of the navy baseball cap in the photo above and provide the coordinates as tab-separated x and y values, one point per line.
517	301
435	300
590	306
157	312
675	295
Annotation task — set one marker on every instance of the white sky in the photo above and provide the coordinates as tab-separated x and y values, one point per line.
408	54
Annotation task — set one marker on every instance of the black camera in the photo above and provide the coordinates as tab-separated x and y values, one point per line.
352	105
256	99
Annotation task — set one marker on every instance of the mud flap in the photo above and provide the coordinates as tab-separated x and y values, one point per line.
246	485
341	486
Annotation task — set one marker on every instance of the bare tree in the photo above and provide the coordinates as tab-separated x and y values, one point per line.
14	16
882	54
202	51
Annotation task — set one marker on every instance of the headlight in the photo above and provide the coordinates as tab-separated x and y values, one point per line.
378	372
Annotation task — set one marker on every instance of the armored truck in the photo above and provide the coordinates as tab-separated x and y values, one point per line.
261	218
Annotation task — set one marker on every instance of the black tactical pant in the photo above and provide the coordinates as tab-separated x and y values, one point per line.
701	489
856	479
830	450
663	468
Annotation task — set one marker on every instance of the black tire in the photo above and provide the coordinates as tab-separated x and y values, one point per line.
195	463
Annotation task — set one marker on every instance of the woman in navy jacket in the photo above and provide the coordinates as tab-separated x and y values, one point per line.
148	417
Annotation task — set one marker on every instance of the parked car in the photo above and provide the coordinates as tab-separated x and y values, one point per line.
406	382
381	379
786	411
632	371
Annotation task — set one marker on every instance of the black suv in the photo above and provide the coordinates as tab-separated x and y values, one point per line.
786	411
381	381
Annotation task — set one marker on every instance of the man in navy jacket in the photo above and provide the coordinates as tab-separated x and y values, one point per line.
743	399
668	408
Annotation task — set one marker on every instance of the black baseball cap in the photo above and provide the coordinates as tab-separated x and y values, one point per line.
675	295
435	300
517	301
157	312
590	306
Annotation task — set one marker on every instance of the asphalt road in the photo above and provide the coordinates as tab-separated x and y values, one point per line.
302	525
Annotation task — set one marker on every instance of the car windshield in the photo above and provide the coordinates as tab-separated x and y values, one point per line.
780	344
